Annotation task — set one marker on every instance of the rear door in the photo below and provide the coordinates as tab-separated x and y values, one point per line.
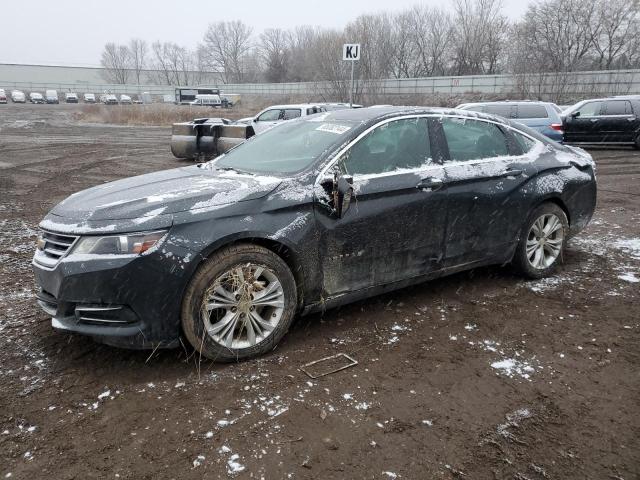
394	229
618	122
583	125
484	170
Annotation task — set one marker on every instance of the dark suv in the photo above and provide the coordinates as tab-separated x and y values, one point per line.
605	121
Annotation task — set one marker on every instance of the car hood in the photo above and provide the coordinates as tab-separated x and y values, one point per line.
165	192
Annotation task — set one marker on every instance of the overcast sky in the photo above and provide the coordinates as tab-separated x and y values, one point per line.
73	32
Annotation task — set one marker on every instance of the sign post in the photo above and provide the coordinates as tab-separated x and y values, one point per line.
351	53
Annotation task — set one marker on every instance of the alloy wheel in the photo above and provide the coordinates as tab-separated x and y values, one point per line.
544	241
243	306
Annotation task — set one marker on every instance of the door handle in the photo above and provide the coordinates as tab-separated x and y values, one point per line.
593	120
430	184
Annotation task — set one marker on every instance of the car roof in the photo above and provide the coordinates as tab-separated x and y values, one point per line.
368	114
507	102
295	105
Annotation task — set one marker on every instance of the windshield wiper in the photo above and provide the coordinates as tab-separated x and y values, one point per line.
231	169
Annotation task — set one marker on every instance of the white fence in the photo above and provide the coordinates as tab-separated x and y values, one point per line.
551	86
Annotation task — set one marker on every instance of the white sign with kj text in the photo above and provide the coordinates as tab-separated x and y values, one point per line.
351	51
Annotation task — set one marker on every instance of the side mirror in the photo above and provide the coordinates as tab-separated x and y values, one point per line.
341	194
575	114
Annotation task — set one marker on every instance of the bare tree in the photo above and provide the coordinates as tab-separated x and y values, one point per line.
227	46
554	36
138	57
432	30
115	61
480	35
172	63
615	32
374	33
275	50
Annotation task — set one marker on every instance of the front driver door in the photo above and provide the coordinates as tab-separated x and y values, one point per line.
267	119
394	228
583	126
484	170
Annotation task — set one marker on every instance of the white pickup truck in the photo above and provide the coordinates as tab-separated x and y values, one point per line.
281	113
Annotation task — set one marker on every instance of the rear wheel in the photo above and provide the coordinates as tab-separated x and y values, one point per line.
638	142
542	241
239	304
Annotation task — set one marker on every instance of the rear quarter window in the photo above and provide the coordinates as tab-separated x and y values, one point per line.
618	107
532	111
502	110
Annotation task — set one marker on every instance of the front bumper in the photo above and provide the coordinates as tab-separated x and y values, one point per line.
130	301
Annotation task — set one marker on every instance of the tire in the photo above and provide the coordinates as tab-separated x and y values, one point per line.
219	323
545	249
637	145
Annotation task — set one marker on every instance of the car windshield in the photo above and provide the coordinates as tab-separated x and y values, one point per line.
286	148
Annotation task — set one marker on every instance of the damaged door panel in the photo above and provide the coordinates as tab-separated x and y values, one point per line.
206	138
484	172
394	227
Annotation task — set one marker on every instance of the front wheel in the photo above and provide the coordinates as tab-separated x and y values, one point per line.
542	241
239	304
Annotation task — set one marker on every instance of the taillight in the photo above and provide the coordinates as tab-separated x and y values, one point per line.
556	126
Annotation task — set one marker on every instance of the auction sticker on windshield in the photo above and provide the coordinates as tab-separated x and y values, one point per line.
337	129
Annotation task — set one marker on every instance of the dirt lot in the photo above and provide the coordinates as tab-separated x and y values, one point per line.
480	375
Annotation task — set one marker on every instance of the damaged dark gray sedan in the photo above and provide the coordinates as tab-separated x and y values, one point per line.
312	214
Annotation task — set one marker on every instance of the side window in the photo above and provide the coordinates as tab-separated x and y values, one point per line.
269	116
532	111
590	109
505	111
470	139
618	107
525	143
394	145
291	113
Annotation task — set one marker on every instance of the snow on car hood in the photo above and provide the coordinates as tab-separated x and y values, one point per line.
162	193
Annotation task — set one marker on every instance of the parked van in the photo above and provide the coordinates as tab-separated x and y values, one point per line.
51	96
205	100
18	97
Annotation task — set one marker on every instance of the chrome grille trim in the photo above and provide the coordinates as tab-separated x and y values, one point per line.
56	246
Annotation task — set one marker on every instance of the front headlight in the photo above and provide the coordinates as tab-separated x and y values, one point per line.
132	243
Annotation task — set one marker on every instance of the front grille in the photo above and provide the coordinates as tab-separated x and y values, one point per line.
54	246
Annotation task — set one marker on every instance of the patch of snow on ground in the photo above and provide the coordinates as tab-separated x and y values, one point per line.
511	367
630	246
233	466
548	283
513	420
629	277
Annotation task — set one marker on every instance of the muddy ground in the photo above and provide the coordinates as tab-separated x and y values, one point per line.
476	376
